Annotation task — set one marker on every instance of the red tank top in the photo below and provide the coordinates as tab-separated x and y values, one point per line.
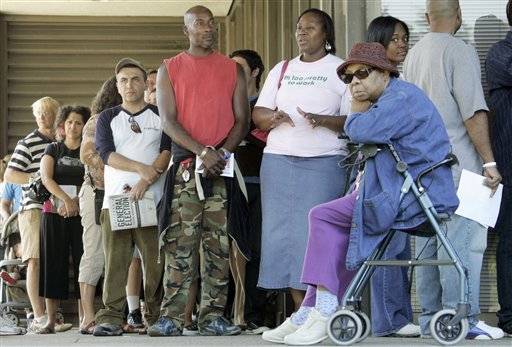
203	90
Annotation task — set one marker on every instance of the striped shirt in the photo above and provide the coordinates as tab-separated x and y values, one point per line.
26	158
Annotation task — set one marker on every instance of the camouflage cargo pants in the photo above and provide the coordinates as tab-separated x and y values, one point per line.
197	233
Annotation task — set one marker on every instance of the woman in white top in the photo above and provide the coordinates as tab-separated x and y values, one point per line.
299	105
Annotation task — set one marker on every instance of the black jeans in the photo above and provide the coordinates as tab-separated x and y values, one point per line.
255	299
504	260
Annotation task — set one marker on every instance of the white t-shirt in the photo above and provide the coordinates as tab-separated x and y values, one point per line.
315	88
113	133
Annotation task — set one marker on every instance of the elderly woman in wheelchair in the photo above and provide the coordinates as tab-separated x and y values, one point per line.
406	154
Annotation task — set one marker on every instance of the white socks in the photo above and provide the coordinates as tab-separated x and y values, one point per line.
326	302
133	302
300	317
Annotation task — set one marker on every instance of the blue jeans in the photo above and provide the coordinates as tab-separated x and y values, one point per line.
391	300
438	286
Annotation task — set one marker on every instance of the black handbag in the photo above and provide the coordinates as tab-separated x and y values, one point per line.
98	203
36	189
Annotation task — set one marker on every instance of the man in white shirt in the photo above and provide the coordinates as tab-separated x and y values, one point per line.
136	152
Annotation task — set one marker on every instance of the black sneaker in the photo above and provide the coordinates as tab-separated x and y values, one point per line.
135	319
164	326
191	330
107	329
507	328
253	328
220	327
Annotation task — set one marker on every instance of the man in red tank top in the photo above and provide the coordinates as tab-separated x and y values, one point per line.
202	99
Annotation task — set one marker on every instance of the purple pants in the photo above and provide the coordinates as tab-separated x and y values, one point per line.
324	263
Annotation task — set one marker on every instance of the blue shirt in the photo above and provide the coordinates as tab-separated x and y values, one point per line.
405	117
12	192
498	67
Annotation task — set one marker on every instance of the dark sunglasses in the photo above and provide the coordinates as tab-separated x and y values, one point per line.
134	125
361	74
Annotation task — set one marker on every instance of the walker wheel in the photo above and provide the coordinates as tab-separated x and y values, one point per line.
447	334
12	317
345	328
366	325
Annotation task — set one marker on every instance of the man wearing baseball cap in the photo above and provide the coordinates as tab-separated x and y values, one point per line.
136	152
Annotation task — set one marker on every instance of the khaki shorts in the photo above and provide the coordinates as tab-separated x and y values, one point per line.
93	259
29	222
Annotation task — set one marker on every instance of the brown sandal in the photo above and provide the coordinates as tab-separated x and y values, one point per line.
88	329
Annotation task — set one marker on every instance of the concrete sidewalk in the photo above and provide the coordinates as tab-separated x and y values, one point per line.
73	338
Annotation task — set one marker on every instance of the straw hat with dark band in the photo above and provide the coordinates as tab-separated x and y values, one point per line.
368	53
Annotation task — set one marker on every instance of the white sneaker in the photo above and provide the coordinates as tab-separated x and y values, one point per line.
494	333
36	324
8	327
313	331
409	330
278	334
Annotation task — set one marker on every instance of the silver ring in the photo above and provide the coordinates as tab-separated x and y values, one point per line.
313	120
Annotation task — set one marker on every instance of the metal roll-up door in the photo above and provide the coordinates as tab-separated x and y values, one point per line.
68	58
484	23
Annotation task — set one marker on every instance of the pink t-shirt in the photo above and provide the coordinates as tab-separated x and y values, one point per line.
315	88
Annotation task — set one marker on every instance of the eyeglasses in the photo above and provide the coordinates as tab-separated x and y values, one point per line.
361	74
134	125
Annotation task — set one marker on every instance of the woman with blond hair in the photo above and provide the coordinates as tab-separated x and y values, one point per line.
24	162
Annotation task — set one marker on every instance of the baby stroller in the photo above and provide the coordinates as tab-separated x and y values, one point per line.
12	308
349	324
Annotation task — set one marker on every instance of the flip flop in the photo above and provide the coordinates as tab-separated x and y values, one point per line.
130	329
44	331
88	329
60	328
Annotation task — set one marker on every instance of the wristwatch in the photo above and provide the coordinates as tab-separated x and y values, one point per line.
226	154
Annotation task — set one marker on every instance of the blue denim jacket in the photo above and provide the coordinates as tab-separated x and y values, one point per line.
405	117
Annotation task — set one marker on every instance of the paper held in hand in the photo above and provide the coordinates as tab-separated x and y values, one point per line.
228	169
128	214
475	201
71	191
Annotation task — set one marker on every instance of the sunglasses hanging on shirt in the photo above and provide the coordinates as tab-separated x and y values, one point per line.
134	125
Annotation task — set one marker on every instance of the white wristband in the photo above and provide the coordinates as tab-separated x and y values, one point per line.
489	164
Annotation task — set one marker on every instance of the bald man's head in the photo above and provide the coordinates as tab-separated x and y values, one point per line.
444	16
192	13
437	9
200	27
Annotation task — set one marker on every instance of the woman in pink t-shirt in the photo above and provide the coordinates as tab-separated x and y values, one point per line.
299	105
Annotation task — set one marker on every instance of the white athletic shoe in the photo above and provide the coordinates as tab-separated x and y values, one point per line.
7	327
409	330
313	331
278	334
493	332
